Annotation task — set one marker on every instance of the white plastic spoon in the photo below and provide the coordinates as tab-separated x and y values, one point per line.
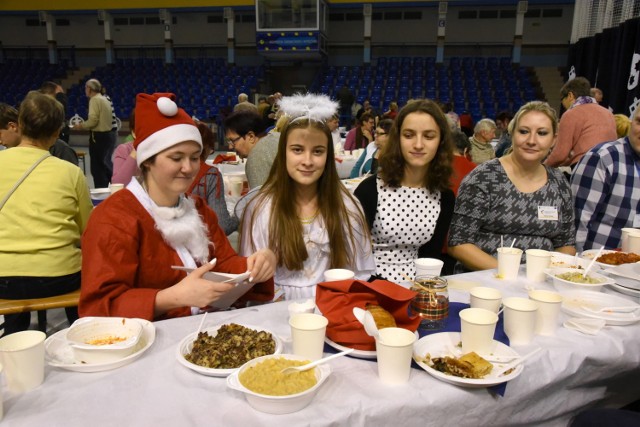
619	309
593	261
370	325
308	366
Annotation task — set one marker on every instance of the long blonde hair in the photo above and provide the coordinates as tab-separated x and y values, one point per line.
285	229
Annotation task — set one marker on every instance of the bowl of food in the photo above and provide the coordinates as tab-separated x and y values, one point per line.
269	390
609	258
220	350
565	279
103	339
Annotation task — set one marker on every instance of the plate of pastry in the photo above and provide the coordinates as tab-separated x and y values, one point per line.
437	355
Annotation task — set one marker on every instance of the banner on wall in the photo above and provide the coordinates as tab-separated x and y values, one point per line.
288	41
611	61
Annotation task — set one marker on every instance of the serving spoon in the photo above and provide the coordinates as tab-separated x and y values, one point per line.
308	366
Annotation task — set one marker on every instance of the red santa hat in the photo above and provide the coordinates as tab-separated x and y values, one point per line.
160	124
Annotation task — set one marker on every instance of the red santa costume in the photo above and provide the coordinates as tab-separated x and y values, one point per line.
130	243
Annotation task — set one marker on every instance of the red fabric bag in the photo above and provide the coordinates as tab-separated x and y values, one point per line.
336	301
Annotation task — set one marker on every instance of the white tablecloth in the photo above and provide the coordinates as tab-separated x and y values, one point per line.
572	372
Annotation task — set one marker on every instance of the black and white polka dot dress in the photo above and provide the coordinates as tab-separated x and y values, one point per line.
405	220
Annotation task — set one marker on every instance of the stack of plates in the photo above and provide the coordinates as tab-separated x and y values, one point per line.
627	277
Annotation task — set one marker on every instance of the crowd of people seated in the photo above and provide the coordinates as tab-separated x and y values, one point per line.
431	191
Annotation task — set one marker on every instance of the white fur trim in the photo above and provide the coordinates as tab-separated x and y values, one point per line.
166	138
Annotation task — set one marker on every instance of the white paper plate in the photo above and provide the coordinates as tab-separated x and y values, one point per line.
561	260
359	354
186	345
438	345
573	301
58	353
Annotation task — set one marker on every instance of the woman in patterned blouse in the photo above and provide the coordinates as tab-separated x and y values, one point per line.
515	197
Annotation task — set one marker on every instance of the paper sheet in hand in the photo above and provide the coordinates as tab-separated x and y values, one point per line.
240	280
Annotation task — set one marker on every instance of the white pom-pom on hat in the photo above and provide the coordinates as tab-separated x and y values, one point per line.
167	106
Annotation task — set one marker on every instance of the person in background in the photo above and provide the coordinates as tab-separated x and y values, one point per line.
584	125
483	134
102	138
55	90
209	185
125	165
596	94
244	104
136	235
346	100
461	163
246	134
368	161
408	203
623	125
303	212
10	135
333	124
360	136
44	208
514	197
606	192
504	142
9	131
392	112
262	105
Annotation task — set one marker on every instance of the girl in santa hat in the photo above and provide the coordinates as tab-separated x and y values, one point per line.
303	213
136	235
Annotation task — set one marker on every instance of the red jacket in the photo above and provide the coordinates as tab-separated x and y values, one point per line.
125	260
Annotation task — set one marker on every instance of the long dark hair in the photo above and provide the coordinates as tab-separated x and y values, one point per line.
392	162
285	228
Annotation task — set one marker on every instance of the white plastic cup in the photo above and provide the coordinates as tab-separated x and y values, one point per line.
549	304
235	186
22	357
394	350
509	262
115	187
1	398
487	298
520	320
336	274
633	242
477	328
307	333
624	241
537	261
426	267
307	306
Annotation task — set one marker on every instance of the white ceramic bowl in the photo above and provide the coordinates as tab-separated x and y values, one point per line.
278	404
88	329
566	285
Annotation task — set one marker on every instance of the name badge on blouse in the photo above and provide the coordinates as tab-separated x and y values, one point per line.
547	213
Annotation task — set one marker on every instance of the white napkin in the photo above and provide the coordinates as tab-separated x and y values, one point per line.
585	325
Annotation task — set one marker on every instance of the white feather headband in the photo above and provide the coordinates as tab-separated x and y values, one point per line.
318	108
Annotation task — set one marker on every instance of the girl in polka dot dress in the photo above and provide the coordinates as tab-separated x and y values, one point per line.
305	215
408	204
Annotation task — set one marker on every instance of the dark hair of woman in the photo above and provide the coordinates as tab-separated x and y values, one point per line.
41	116
392	162
208	140
285	228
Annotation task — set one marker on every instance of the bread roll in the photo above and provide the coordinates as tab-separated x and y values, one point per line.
383	318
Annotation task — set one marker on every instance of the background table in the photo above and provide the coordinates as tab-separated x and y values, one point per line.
572	372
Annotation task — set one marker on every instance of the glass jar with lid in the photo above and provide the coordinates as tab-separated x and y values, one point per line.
431	302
